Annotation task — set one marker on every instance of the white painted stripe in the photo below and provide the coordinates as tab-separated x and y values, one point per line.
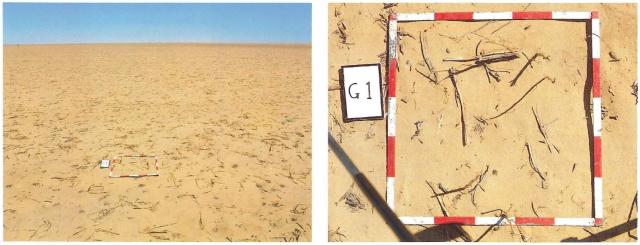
393	36
391	117
133	175
597	197
494	220
597	116
574	221
559	15
416	17
493	15
391	182
595	38
409	220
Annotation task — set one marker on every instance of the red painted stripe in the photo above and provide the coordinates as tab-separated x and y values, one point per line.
126	175
533	15
534	221
393	17
454	16
392	77
594	15
597	156
439	220
599	222
391	156
596	77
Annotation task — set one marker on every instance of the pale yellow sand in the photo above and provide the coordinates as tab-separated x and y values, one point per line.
229	123
437	154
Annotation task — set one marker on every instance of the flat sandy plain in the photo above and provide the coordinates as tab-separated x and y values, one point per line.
230	125
435	152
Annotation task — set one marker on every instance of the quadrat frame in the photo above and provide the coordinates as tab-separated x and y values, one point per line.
118	159
590	18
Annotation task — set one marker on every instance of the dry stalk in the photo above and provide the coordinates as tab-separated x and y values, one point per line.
487	58
469	188
534	210
533	164
528	64
502	217
473	190
483	60
515	103
440	202
460	105
634	204
427	61
542	130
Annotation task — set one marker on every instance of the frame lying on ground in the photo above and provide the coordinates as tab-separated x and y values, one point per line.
590	18
118	159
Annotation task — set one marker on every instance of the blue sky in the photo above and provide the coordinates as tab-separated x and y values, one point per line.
39	23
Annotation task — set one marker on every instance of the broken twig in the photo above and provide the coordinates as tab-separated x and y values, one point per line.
427	61
440	202
468	188
517	101
502	217
534	210
487	58
459	104
528	64
533	164
542	130
473	190
634	204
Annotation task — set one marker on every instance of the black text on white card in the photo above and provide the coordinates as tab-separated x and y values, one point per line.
361	92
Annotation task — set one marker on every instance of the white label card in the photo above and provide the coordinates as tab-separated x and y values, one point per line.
361	92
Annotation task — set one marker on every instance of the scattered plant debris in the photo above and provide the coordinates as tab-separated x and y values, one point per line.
352	201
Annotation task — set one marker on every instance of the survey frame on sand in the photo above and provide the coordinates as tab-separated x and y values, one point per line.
592	20
118	159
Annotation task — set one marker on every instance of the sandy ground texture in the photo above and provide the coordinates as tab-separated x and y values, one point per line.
230	125
549	123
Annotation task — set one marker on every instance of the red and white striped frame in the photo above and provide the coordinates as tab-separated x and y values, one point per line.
589	17
133	175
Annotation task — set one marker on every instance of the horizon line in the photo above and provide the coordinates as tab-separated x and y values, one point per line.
134	42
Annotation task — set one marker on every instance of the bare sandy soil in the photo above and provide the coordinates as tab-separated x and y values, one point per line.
230	125
434	150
